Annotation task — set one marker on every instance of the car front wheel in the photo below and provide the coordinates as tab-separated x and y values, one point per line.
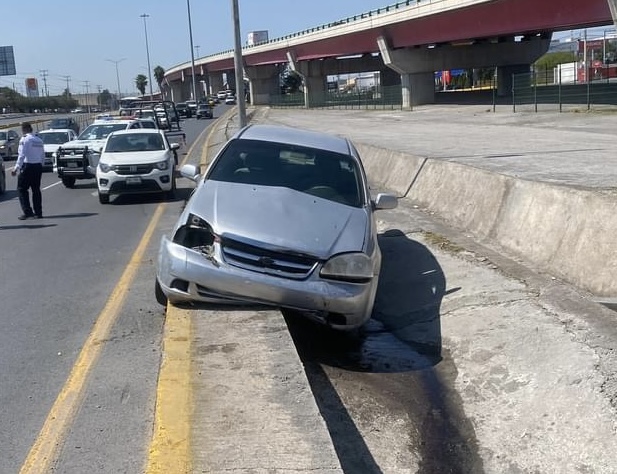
104	198
68	181
158	294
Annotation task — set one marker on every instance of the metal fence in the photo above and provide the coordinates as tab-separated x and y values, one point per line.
379	98
547	90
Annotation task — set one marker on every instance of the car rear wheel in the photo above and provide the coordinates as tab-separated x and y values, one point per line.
68	181
2	183
104	198
158	294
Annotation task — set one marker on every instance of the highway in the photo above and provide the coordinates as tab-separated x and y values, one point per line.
58	277
473	362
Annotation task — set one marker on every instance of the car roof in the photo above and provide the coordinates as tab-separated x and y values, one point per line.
145	131
295	136
56	130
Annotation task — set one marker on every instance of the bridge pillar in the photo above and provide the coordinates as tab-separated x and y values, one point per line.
263	83
216	82
231	79
176	91
505	80
313	77
612	4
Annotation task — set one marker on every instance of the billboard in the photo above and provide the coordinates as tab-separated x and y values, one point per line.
32	87
7	61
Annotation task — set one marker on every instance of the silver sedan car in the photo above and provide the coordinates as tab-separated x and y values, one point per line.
282	217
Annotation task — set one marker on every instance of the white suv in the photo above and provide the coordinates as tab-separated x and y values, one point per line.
136	162
78	159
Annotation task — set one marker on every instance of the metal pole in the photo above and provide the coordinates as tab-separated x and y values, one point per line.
144	16
240	96
188	7
116	62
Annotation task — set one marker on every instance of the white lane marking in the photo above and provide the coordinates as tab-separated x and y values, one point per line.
51	186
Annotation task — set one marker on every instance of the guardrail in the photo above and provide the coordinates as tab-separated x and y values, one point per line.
351	19
41	124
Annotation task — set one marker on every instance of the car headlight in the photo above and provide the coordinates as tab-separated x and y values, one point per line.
355	267
104	167
162	165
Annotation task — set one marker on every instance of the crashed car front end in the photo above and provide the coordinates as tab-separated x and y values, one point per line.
199	265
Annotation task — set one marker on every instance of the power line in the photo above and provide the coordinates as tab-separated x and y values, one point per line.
68	80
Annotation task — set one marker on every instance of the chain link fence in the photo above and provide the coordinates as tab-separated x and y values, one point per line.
554	89
377	98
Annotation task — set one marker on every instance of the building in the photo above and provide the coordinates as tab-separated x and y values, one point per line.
256	37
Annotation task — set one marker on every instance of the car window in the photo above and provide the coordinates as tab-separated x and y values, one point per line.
325	174
100	131
134	142
54	138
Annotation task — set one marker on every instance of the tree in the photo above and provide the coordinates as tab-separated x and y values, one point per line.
141	82
104	98
291	81
159	75
551	60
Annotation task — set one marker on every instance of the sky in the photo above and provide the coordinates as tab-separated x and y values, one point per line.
80	43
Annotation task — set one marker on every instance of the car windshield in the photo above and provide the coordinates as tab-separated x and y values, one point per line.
132	142
54	138
101	131
321	173
59	123
2	135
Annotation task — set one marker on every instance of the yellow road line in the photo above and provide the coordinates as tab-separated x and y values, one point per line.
170	447
44	450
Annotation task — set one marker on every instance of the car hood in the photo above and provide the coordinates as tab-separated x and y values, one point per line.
95	144
280	218
134	158
51	148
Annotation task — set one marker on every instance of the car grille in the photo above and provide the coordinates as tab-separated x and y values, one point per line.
133	169
72	151
286	265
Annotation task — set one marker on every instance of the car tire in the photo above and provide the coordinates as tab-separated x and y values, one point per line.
2	183
161	298
68	181
104	198
171	194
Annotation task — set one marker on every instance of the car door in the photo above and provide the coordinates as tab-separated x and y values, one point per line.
13	140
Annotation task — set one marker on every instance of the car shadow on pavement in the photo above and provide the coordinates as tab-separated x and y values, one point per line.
26	226
404	333
182	194
69	216
8	195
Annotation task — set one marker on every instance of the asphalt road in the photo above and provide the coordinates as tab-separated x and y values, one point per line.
58	277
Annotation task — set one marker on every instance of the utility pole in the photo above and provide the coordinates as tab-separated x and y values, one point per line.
68	80
195	98
87	85
44	73
240	95
116	62
144	16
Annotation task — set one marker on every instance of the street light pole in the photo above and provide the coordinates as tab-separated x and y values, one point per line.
188	7
144	16
240	95
116	62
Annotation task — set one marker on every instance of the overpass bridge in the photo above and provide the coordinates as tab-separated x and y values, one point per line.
405	42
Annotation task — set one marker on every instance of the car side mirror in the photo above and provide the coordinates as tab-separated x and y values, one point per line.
385	201
191	172
174	146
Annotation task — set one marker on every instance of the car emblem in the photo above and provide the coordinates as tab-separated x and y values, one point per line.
72	153
266	261
133	169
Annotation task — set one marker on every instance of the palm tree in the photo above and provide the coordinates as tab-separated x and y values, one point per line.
159	75
141	82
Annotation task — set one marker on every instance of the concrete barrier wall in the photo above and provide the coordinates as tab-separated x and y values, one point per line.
568	232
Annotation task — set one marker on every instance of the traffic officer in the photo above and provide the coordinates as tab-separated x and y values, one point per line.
29	165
